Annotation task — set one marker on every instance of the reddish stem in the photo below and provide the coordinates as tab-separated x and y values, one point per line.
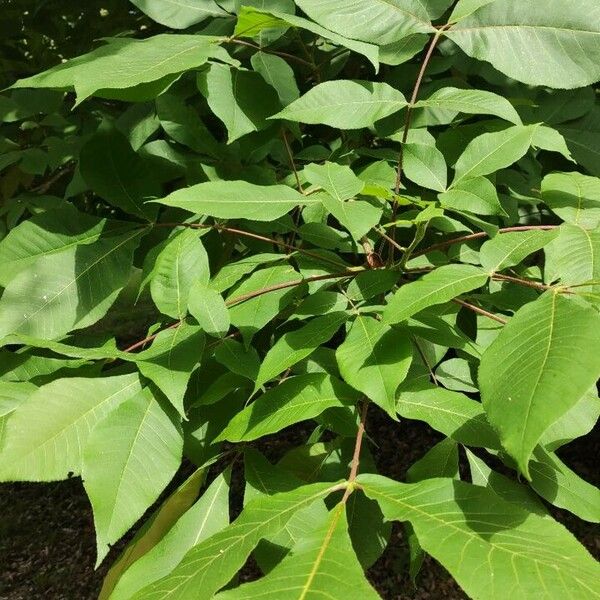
356	456
482	234
481	311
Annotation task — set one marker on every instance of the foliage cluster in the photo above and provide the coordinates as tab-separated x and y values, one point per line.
230	217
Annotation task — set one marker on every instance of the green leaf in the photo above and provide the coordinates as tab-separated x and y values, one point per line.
425	165
534	371
252	315
477	196
560	486
344	104
491	152
488	545
50	232
436	8
207	567
237	200
375	359
241	99
117	174
153	530
208	308
169	362
68	290
455	374
357	216
209	515
451	413
338	180
294	346
368	284
577	422
510	249
251	21
264	478
440	461
182	123
376	21
231	273
45	436
473	102
296	399
503	487
549	139
439	286
14	393
464	8
322	559
238	359
278	74
554	43
574	197
574	258
177	14
181	263
127	68
141	448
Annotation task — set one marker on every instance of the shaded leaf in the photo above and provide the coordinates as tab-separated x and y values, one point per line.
169	362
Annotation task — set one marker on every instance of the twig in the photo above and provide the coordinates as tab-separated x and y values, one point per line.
255	236
291	159
356	456
290	284
254	294
481	311
150	338
480	235
46	185
407	120
424	359
267	51
524	282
